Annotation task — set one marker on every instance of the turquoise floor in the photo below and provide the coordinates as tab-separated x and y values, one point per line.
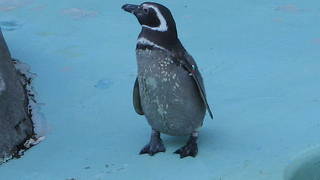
260	61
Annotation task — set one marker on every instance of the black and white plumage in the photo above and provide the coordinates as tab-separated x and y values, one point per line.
169	88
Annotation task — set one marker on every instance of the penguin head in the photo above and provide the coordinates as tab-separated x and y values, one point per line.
152	16
158	25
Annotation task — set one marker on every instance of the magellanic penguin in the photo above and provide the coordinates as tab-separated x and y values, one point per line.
169	88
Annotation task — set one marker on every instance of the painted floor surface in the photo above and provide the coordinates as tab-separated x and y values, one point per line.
260	61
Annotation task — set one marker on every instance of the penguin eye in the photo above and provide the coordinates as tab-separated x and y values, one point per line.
145	10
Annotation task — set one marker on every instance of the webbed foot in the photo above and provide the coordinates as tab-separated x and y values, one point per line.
191	148
154	146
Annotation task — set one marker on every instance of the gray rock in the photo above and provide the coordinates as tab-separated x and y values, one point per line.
15	122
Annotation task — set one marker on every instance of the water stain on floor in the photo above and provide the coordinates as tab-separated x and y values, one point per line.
77	13
103	84
39	8
112	168
70	52
290	8
10	5
9	25
46	34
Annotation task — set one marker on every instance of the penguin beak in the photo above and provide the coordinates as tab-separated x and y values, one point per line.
131	8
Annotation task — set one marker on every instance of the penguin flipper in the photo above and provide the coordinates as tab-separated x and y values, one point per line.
190	65
136	98
203	94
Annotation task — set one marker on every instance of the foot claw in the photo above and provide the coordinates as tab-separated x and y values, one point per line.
188	150
153	148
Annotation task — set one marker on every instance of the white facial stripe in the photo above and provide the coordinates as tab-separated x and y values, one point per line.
163	23
145	41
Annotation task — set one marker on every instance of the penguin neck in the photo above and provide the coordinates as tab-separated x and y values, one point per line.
167	39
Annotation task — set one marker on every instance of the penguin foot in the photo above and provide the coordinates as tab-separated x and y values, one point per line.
155	145
153	148
190	149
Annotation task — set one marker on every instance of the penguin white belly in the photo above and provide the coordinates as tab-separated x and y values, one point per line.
169	96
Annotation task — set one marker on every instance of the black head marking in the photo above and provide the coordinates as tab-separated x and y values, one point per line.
160	14
151	15
158	25
148	17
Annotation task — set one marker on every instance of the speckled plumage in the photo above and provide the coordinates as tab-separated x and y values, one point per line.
169	96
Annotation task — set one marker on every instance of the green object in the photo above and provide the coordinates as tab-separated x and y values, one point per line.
305	167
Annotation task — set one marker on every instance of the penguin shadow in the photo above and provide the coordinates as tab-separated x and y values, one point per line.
174	142
206	137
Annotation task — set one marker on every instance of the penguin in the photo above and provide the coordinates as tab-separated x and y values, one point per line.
169	89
